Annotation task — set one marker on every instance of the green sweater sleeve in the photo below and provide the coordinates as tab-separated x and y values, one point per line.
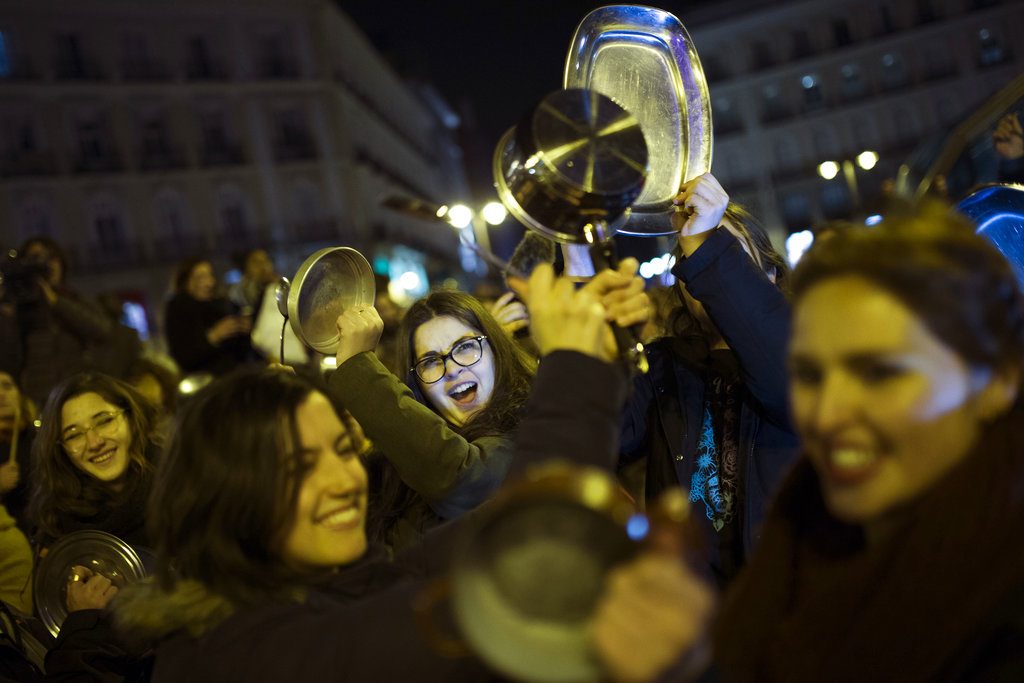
454	475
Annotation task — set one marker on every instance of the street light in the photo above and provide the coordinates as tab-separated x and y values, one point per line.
494	213
867	159
460	216
830	169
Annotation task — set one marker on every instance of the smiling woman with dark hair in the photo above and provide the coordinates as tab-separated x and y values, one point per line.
262	570
93	460
443	438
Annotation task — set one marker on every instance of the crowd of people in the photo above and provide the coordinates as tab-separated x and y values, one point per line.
846	436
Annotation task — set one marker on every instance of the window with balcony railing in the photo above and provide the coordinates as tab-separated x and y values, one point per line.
276	59
814	98
137	64
156	150
773	106
841	32
96	152
926	12
796	211
72	63
894	71
714	69
853	87
887	24
761	56
200	64
726	116
801	44
218	147
293	140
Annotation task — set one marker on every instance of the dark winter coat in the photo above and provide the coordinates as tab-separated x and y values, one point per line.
57	341
664	414
186	323
940	597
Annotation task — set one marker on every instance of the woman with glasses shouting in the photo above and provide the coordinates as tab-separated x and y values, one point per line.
442	438
93	459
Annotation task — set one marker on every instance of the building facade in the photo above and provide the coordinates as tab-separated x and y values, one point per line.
794	84
137	133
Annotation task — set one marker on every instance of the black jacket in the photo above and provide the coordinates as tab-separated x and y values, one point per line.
187	322
663	417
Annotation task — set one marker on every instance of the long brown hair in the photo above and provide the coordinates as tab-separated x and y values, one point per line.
513	367
60	488
225	491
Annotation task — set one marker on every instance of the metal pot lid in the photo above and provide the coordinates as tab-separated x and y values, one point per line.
576	152
328	283
528	576
98	551
644	59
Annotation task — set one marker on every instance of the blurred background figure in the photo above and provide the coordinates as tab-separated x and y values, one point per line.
17	431
258	273
267	329
509	310
50	331
206	333
391	315
158	384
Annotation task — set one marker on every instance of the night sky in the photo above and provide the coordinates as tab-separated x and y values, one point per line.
490	59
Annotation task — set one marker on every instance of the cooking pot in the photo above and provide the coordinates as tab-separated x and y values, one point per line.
576	161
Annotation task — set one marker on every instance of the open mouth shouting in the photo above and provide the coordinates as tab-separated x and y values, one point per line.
463	393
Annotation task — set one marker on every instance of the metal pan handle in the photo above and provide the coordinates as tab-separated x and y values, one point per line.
603	254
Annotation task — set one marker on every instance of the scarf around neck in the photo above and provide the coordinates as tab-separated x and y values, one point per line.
817	603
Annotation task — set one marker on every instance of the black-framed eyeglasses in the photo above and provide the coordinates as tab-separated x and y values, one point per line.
105	424
466	352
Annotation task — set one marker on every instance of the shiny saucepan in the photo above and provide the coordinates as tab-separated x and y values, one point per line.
572	166
329	282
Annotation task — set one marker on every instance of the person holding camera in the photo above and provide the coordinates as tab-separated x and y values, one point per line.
49	331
